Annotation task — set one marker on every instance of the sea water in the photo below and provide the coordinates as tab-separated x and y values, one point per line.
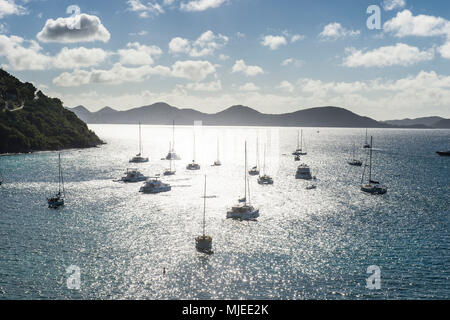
306	244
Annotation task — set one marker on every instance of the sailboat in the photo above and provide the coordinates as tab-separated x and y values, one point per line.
244	210
138	158
169	172
265	179
1	177
355	162
172	155
217	163
372	187
299	151
203	243
193	165
366	143
58	199
255	170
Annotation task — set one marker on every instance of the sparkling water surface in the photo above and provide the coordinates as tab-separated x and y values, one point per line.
314	244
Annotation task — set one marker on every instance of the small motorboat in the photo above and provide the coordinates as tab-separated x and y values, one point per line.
265	179
193	166
132	176
311	187
303	172
154	185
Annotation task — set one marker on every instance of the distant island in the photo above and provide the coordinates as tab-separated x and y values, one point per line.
31	121
163	114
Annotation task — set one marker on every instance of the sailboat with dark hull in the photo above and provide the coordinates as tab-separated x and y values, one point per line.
193	166
172	155
255	170
58	199
203	243
355	162
299	151
217	163
139	158
372	186
170	171
366	143
244	209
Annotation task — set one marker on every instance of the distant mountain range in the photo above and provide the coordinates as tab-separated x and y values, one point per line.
164	114
426	122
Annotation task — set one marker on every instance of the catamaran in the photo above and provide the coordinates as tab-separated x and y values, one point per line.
154	185
255	170
217	163
299	151
203	243
170	171
138	158
244	210
193	165
133	175
355	162
372	187
172	155
58	199
265	179
366	143
303	172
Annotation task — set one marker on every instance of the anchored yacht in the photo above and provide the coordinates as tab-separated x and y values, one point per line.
133	175
372	186
139	158
244	210
172	155
203	243
265	179
299	151
303	172
154	185
58	199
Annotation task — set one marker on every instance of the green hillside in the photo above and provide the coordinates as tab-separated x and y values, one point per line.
31	121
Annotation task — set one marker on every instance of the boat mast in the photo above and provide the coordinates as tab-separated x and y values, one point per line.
264	169
194	145
218	149
301	140
204	209
140	143
173	136
298	140
59	173
257	152
366	136
370	163
245	175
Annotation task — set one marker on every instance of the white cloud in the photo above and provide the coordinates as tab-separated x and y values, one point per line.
335	30
193	70
297	37
79	57
9	7
206	44
212	86
145	10
79	28
286	86
445	50
223	57
389	5
117	74
139	54
294	62
250	71
405	24
274	42
400	54
249	86
23	54
200	5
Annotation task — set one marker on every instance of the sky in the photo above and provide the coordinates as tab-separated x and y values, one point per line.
386	59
